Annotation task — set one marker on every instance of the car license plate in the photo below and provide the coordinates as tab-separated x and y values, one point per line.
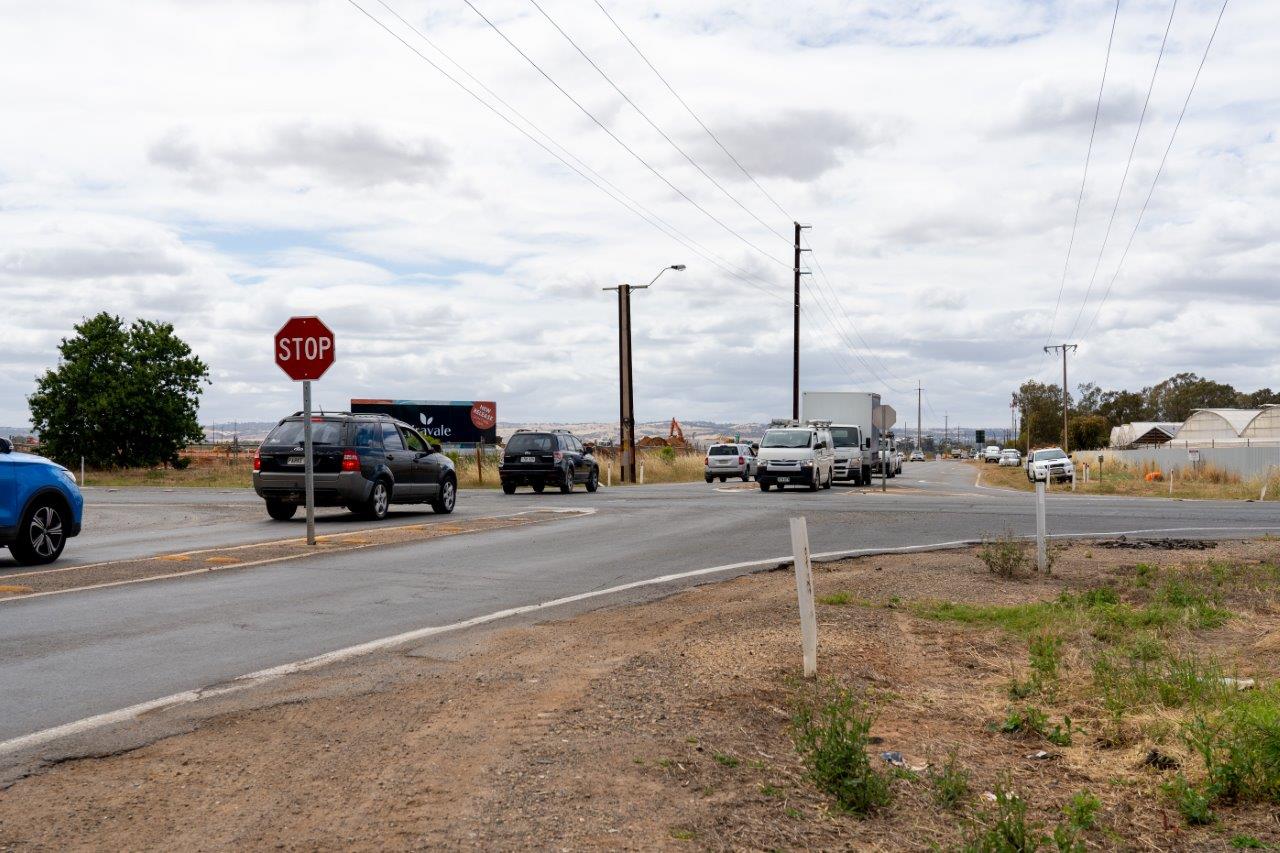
784	479
297	460
528	459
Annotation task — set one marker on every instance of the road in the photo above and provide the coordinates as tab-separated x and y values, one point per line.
78	654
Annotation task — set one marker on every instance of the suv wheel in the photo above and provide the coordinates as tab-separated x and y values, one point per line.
566	485
764	487
508	488
379	501
593	480
444	503
41	536
538	487
281	510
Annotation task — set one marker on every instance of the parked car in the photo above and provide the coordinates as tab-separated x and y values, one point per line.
796	455
917	456
547	458
40	506
362	462
1010	458
1050	463
730	460
991	454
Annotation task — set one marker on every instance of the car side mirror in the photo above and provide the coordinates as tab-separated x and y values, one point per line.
6	446
436	448
589	448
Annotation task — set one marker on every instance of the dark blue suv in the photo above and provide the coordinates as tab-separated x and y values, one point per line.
40	506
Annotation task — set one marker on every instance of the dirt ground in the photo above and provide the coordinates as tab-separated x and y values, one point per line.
665	725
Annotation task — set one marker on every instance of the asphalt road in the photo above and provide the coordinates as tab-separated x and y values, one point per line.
74	655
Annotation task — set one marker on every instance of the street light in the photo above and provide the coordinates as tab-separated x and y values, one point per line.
626	395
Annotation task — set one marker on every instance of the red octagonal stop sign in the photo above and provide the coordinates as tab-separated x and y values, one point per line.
304	348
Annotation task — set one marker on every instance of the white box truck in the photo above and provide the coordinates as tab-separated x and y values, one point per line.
855	455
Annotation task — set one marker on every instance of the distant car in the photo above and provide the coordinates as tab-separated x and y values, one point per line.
40	506
957	453
991	454
547	458
1010	458
1050	463
730	460
362	462
917	456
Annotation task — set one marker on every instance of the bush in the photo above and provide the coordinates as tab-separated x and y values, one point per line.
181	463
667	455
1006	829
950	783
1005	556
832	739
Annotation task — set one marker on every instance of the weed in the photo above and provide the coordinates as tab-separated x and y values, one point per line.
1143	574
1005	829
1022	689
794	813
726	760
1030	720
677	832
836	598
1060	735
772	791
1004	556
1046	657
1191	802
1082	810
665	763
950	783
1240	748
1246	842
832	738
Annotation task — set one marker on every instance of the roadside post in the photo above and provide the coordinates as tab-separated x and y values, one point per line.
804	595
480	461
1042	548
1100	458
609	481
304	351
82	472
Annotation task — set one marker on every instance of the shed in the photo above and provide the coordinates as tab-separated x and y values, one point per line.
1212	425
1151	432
1265	426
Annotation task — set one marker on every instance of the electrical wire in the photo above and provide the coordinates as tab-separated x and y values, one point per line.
619	141
1163	160
1088	154
690	111
1125	176
654	125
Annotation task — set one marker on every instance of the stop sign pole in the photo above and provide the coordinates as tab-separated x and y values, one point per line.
304	351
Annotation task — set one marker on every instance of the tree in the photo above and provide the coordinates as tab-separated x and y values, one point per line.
1258	399
1178	396
119	397
1041	407
1089	432
1123	407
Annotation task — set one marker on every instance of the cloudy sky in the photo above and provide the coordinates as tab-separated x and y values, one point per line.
224	165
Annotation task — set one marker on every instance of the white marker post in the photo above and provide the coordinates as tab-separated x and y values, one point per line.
1042	548
609	480
309	465
804	594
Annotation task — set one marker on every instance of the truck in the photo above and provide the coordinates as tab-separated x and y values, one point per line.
847	411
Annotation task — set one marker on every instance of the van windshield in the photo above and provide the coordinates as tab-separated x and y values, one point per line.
793	438
1053	453
844	436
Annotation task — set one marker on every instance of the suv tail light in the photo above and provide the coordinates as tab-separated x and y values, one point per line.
350	460
706	460
742	460
257	460
558	456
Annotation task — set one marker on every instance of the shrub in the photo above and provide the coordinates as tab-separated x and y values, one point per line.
832	739
667	455
1005	556
950	783
1082	810
181	463
1006	828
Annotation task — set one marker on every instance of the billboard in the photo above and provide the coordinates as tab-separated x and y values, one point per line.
464	422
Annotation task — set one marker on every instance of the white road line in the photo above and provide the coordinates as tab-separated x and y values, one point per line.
263	676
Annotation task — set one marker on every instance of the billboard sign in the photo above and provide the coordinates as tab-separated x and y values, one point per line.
463	422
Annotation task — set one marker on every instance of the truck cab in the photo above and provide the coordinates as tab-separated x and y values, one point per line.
849	463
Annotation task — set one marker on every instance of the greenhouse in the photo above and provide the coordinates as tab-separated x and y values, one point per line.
1210	426
1265	426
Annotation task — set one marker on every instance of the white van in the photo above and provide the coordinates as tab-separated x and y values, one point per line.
796	454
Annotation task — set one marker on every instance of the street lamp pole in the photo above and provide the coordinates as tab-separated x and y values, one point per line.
626	388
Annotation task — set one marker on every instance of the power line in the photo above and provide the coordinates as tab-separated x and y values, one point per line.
1088	154
690	110
654	124
1128	163
1174	135
619	141
638	209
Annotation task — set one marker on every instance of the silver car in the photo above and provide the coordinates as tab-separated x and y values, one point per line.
730	460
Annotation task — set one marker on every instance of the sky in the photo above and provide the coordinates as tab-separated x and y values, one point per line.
223	166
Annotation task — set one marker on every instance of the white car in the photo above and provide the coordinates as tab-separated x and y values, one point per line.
1010	458
991	454
1050	463
796	455
917	456
729	460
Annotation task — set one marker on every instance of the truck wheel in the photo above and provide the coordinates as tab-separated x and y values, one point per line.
41	535
831	479
281	510
816	481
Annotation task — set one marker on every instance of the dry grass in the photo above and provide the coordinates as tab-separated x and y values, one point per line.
1207	482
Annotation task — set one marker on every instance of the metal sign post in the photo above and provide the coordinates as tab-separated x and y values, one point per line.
309	464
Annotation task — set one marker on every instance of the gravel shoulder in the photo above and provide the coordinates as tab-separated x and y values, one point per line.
665	725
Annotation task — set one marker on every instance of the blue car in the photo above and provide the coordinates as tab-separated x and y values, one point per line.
40	506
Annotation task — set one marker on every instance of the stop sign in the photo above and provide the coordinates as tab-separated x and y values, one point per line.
304	348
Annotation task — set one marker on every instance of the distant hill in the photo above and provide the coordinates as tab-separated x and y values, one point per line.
7	431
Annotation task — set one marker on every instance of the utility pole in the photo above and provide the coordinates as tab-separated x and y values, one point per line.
795	353
626	388
919	398
1066	395
946	429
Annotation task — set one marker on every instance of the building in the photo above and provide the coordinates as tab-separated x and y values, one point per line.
1211	426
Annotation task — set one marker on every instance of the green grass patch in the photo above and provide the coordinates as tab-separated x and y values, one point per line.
832	737
836	599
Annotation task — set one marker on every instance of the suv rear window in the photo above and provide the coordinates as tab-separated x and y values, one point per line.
322	432
723	450
531	443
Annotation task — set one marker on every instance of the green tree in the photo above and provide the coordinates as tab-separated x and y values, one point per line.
119	396
1089	432
1041	408
1122	407
1177	397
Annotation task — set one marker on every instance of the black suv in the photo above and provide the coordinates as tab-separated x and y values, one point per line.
539	459
362	462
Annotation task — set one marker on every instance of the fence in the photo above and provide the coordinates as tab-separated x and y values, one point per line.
1248	462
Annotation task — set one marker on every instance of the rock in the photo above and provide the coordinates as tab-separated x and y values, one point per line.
1157	759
